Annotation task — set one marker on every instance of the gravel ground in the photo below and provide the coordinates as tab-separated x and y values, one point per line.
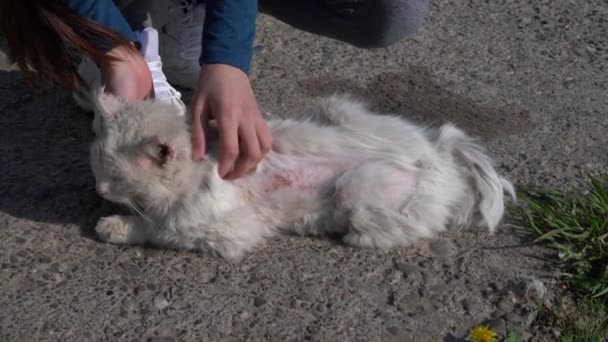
529	78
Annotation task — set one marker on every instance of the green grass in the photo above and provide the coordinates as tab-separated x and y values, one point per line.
575	224
587	322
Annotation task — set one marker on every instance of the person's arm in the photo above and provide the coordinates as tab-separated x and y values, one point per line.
105	13
229	33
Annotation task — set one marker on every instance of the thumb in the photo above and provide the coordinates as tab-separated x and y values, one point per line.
199	129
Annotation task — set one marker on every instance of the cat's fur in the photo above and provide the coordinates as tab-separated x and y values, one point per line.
377	180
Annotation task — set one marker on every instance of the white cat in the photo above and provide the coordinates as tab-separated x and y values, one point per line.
377	180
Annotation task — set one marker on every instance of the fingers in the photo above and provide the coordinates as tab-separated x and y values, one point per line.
264	136
250	153
229	142
243	141
199	127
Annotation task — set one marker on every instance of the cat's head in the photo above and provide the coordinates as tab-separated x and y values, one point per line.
142	152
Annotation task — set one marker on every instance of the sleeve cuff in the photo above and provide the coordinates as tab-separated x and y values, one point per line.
229	32
238	58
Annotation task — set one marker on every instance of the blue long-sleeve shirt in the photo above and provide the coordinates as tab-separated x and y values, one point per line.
228	33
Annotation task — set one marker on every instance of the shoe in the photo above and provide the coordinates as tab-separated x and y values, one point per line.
163	91
181	36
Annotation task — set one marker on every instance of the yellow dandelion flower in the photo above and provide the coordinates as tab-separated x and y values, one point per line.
483	333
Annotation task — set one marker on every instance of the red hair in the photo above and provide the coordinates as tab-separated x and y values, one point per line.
43	36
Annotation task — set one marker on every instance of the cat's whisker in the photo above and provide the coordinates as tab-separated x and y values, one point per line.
140	213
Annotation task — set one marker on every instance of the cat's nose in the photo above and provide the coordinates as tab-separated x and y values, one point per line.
102	188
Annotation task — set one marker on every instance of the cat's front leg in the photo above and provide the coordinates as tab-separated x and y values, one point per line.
230	236
119	229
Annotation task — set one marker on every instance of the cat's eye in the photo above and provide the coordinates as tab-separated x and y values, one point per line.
163	151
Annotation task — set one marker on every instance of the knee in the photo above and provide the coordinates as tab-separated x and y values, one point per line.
391	21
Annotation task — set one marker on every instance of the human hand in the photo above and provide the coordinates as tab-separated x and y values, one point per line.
224	93
127	75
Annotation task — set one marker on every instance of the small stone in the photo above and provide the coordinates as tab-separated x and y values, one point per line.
54	268
138	252
161	339
512	318
408	269
408	301
504	306
45	260
556	332
568	82
207	277
23	283
395	278
393	330
499	325
531	289
131	268
438	288
354	283
259	301
442	248
531	317
424	307
160	301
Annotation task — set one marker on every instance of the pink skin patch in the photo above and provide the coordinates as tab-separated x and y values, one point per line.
378	184
305	179
357	181
299	173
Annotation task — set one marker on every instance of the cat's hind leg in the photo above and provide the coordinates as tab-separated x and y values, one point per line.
338	110
379	204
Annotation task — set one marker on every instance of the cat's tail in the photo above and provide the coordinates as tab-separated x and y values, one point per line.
488	187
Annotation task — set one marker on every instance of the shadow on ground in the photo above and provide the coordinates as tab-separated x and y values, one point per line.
44	156
416	92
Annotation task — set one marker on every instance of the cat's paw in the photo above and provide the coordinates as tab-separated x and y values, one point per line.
113	229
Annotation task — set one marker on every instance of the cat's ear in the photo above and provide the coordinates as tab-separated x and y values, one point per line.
107	105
